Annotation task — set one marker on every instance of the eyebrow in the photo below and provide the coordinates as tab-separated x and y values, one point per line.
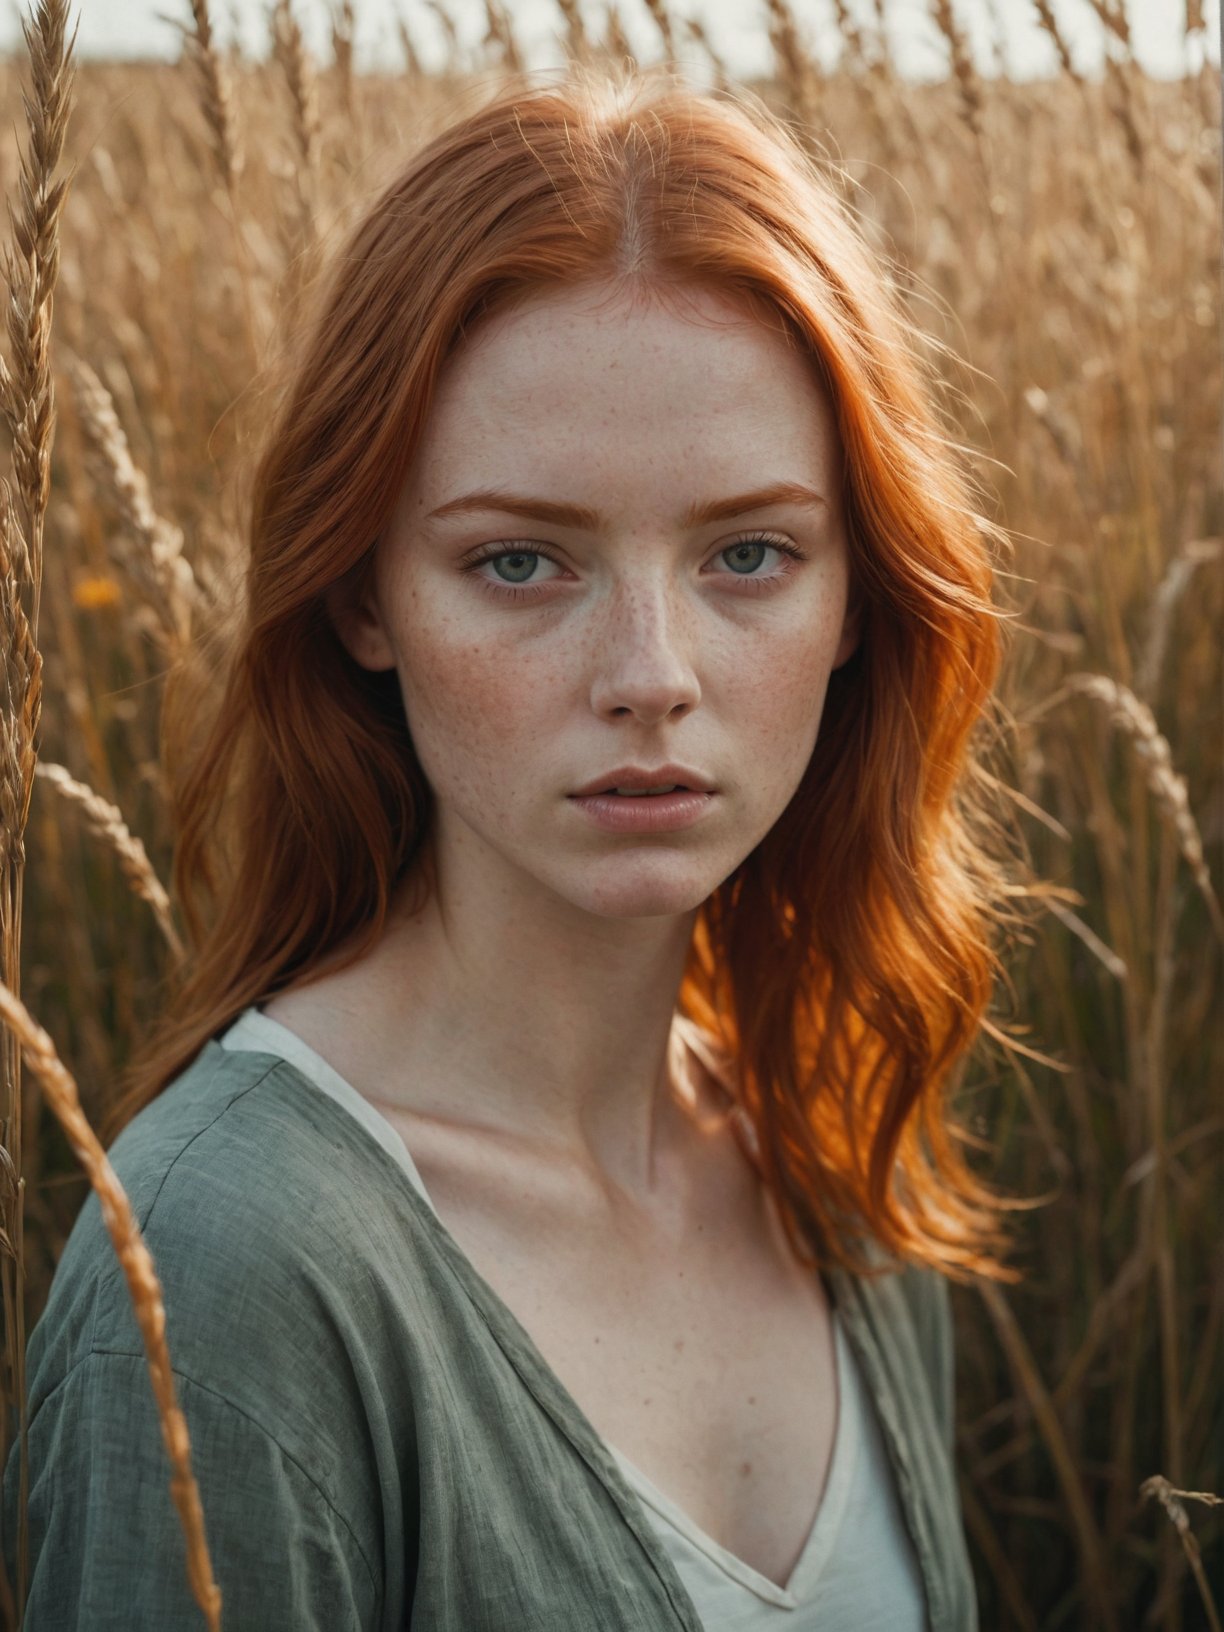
580	515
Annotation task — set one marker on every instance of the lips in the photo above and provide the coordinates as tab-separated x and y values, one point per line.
680	778
647	793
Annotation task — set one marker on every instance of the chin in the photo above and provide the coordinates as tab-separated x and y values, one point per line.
666	887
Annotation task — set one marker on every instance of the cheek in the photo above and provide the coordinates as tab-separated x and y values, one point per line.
473	706
782	699
774	691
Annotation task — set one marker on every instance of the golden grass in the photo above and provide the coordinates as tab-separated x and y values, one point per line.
1061	236
143	1286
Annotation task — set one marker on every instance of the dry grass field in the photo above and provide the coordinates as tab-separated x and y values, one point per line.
1060	242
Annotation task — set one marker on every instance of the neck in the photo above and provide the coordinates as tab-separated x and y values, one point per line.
541	1024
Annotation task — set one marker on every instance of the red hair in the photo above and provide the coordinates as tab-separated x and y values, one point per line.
843	970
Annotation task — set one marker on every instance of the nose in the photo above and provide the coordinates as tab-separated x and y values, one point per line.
644	652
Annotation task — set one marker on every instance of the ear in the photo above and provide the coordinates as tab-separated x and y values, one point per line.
355	614
852	627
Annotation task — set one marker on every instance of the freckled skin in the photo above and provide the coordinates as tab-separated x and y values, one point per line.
544	976
637	651
517	1025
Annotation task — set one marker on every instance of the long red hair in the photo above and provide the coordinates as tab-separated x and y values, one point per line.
843	971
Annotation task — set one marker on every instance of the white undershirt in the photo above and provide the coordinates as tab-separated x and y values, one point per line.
857	1571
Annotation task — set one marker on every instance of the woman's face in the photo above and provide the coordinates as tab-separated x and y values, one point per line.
634	634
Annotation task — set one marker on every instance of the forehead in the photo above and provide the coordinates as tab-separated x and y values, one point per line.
599	375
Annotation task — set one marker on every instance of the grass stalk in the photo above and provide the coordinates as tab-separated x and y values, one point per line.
27	398
1172	1499
1032	1388
144	1287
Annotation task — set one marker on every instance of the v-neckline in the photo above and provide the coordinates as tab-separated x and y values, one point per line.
800	1584
511	1336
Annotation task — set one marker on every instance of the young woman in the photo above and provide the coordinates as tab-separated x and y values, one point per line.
546	1154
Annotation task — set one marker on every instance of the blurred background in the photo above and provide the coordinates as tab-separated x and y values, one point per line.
1045	177
1002	36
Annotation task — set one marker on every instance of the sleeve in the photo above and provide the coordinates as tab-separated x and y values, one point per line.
106	1547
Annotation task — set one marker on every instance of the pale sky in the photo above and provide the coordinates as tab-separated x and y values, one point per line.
125	28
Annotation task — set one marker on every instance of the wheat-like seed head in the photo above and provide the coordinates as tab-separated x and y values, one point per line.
616	41
27	393
27	399
662	20
1164	603
161	567
140	1273
342	31
578	44
16	765
501	33
1132	716
1122	106
795	64
1049	22
107	821
1112	14
289	49
882	64
216	96
1171	1499
850	32
35	225
412	59
23	683
963	70
495	23
448	27
698	35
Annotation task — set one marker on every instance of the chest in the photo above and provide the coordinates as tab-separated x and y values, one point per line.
706	1358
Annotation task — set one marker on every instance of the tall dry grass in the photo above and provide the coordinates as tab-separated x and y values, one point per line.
1063	237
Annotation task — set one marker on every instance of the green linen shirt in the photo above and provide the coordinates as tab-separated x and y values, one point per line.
377	1441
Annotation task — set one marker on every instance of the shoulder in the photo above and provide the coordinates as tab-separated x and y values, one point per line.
268	1219
100	1512
265	1218
915	1293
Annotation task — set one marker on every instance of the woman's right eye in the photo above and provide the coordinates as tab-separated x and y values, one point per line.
518	561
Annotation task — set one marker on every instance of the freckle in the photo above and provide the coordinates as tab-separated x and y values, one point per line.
679	1344
645	1402
751	1397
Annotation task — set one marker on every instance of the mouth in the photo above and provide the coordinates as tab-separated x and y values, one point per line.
645	782
643	793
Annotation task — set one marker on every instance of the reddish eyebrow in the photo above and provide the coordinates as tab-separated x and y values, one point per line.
579	515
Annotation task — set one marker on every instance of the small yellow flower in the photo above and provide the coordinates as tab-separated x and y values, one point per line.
91	593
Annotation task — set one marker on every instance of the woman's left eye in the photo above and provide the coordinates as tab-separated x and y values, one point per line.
745	553
743	556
